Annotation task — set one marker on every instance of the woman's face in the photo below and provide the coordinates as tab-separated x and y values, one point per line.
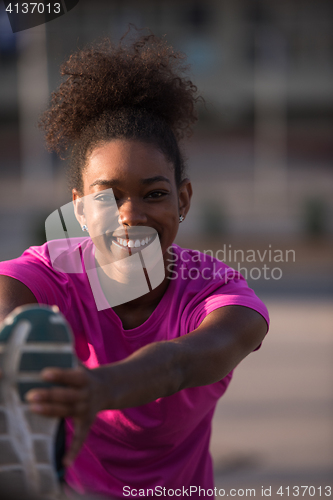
142	182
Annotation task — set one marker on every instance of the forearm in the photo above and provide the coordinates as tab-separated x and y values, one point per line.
152	372
199	358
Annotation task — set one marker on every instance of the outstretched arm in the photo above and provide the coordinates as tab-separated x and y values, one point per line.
204	356
201	357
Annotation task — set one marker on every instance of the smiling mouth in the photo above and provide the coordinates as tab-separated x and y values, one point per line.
133	243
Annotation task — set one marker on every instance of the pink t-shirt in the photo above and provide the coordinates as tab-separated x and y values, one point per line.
163	444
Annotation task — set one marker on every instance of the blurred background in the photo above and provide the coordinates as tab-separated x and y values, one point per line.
261	163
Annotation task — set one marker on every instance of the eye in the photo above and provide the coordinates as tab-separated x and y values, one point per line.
156	194
105	198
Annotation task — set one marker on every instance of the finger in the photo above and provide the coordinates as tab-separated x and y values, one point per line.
81	430
56	394
52	410
76	377
59	409
60	403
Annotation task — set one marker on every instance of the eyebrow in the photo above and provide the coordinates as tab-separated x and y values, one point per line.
157	178
115	182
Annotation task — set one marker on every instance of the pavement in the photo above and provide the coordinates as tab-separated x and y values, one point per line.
274	428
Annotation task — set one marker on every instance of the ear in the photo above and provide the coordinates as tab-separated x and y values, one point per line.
184	196
78	207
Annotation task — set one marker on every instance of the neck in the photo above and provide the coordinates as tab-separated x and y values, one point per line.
108	275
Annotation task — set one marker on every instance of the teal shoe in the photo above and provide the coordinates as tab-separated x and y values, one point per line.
31	338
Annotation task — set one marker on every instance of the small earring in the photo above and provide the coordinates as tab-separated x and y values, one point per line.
181	218
84	228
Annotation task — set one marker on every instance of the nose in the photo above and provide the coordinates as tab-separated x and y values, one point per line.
131	214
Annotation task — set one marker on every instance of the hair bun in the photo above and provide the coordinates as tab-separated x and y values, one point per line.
145	75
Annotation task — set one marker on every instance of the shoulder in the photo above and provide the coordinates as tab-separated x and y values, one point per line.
43	271
203	284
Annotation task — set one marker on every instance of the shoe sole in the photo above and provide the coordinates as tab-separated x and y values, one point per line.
31	338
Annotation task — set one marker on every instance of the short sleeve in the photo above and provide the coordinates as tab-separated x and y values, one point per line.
234	292
33	269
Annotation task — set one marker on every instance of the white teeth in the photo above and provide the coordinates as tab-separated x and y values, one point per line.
134	243
122	242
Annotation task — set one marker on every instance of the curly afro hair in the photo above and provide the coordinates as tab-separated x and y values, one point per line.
135	91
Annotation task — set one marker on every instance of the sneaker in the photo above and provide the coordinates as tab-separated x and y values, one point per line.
31	338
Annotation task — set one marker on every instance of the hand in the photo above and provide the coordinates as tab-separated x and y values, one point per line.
80	397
